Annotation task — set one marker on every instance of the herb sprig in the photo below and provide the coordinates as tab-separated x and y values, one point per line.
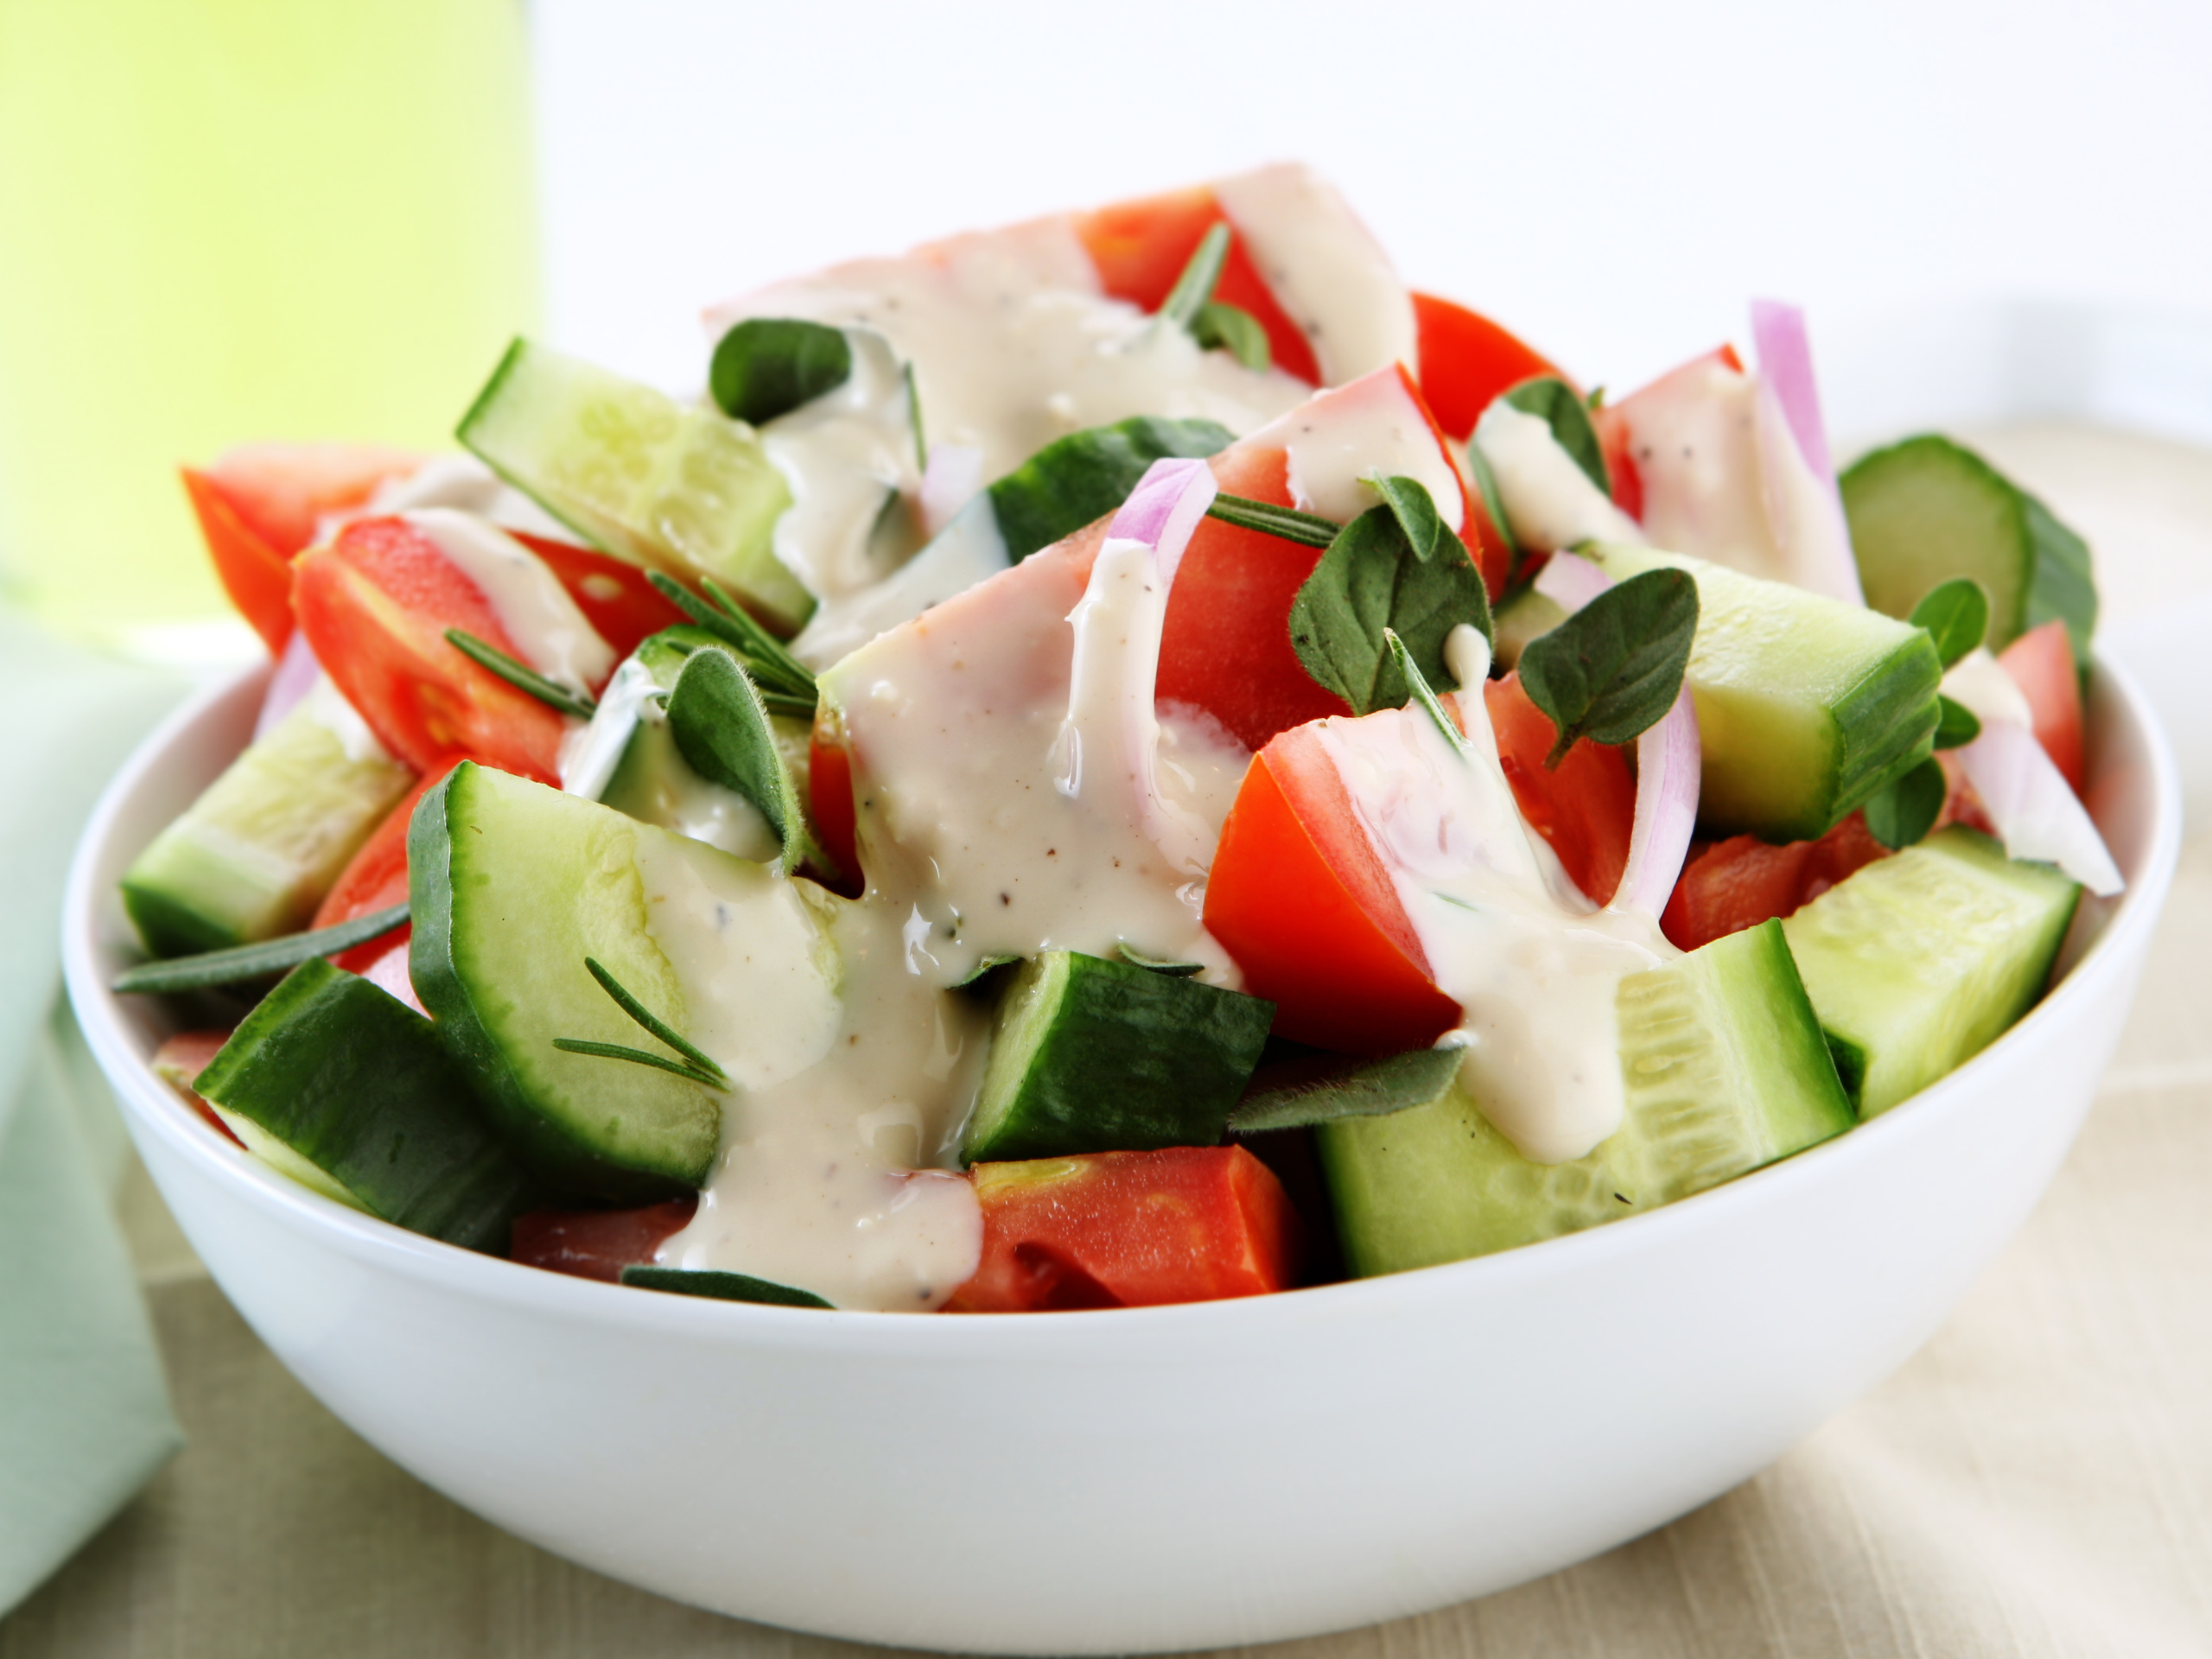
786	683
1613	669
1374	1090
241	963
695	1065
521	675
1191	305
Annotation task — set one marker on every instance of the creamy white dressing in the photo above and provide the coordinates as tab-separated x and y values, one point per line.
1325	268
1357	432
466	483
1694	438
1804	513
535	611
1014	345
843	456
967	550
1549	501
1533	969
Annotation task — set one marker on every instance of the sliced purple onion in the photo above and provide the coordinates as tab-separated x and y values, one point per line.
952	478
2035	813
1669	764
1164	510
1809	522
1785	359
296	673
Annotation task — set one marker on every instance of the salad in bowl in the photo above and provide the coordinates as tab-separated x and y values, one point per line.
1127	760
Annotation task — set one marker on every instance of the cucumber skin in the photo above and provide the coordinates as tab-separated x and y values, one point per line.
1436	1182
557	1154
1169	1056
1868	967
357	1084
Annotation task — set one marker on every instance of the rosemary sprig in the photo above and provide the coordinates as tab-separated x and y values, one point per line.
244	961
638	1057
695	1065
774	670
520	676
1494	508
1425	697
1194	288
1308	529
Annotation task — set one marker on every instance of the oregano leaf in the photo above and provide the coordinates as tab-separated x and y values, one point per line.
1415	509
766	367
1493	500
1370	582
1956	614
1374	1090
1613	669
1956	725
1902	813
1233	329
1553	402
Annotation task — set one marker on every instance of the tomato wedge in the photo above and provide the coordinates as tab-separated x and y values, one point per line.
622	607
375	603
376	877
1585	810
255	576
1130	1230
597	1243
1730	885
1141	247
1466	360
830	801
2041	662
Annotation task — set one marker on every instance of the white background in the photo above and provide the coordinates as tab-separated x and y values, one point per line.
1612	181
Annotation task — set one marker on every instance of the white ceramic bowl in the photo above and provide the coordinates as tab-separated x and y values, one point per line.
1142	1480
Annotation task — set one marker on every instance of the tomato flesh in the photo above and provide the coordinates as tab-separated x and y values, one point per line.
829	803
2041	662
375	603
1585	809
376	877
597	1243
1130	1230
1730	885
1141	247
257	577
622	607
1466	360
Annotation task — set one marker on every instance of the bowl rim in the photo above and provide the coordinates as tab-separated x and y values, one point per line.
154	1109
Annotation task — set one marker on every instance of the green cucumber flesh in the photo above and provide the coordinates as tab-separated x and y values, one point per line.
1806	705
682	489
1088	1055
1917	962
1724	1071
513	885
1523	615
1928	510
253	857
349	1091
1078	479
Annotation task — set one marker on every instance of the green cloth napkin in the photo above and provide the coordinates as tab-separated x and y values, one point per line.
85	1418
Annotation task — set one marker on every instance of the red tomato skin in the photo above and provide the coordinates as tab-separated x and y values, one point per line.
282	489
616	599
1141	247
257	578
1586	810
1466	360
2041	662
1130	1230
1728	886
1297	897
1614	442
829	803
376	877
375	603
596	1244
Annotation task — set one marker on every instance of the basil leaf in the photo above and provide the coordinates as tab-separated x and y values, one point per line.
1306	528
521	675
1237	331
722	730
766	367
1167	966
1374	1090
1956	725
1193	290
723	1287
1078	479
1415	509
1371	580
1956	614
240	963
1553	402
1903	813
1424	696
1613	669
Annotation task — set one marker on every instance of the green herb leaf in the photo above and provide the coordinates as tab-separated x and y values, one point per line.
1237	331
638	1057
723	1287
1194	288
778	673
1613	669
721	727
1078	479
1415	509
766	367
1906	810
1172	970
1956	725
1423	696
1307	529
1956	614
244	962
520	676
651	1022
1371	582
914	419
1553	402
1494	509
1374	1090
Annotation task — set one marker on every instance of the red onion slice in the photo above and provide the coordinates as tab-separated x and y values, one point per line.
296	673
952	478
1164	510
2036	814
1669	764
1806	509
1785	358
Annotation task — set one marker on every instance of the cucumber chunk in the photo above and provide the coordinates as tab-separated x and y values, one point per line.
1927	510
1088	1055
1523	615
254	855
1917	962
1724	1071
349	1091
513	885
1806	707
682	489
